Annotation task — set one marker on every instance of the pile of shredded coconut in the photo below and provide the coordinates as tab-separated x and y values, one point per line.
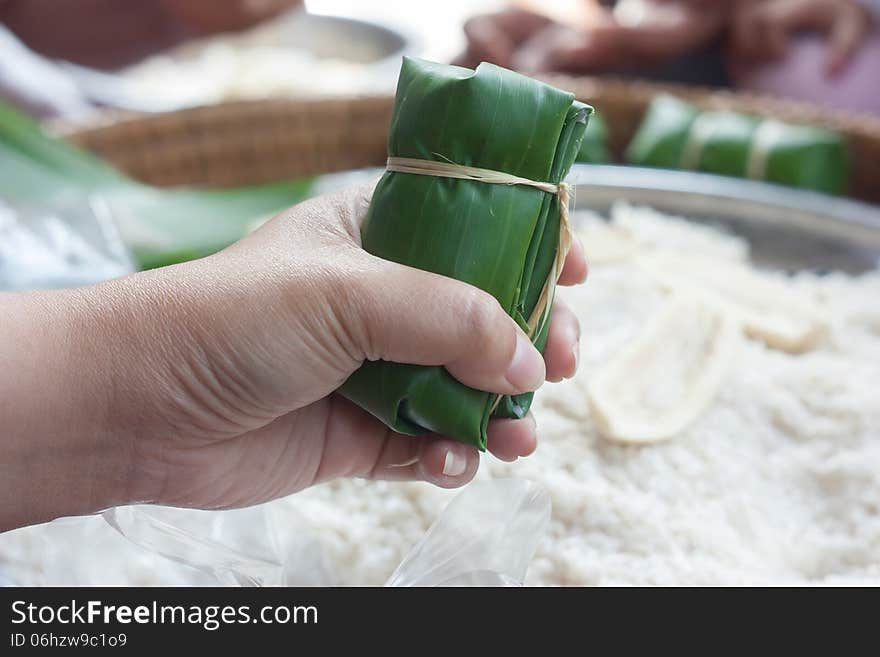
261	63
776	482
223	72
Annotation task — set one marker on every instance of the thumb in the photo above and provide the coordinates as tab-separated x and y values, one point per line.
405	315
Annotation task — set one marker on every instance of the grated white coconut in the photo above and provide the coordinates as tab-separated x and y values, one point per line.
777	482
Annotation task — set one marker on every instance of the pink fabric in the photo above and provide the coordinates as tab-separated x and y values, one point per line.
801	75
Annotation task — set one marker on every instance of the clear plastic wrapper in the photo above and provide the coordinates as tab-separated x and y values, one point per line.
486	536
85	551
240	547
59	245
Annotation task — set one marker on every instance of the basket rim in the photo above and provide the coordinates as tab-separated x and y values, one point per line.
640	91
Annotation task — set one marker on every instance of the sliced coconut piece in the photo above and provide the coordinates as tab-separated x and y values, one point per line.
770	309
663	381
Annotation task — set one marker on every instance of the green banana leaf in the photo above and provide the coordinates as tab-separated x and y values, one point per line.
675	134
660	139
500	238
20	133
594	149
809	158
160	226
723	143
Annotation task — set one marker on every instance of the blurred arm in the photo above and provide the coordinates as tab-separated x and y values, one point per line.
112	34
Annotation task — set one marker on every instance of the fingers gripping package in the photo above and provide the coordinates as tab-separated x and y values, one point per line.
473	191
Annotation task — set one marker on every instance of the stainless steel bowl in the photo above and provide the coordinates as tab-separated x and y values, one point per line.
343	38
377	48
787	228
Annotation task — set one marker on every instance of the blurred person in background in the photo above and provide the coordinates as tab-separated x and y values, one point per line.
661	40
825	51
821	51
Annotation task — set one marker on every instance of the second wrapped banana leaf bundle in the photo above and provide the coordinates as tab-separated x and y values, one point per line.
677	135
485	227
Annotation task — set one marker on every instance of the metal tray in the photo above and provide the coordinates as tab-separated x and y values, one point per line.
787	228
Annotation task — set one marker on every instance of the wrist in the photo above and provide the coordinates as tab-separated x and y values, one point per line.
60	453
151	368
131	333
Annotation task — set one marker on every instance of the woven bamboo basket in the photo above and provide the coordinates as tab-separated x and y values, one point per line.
252	142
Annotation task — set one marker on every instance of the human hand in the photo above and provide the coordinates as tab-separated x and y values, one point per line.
762	30
225	368
530	38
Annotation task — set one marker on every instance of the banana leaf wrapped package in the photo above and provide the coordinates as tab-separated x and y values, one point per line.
677	135
503	238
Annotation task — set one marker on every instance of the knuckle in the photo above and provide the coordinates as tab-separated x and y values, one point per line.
484	319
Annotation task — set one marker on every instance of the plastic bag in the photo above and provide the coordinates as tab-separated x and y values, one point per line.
59	245
85	551
240	547
486	536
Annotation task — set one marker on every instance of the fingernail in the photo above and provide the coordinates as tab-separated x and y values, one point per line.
454	464
526	370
